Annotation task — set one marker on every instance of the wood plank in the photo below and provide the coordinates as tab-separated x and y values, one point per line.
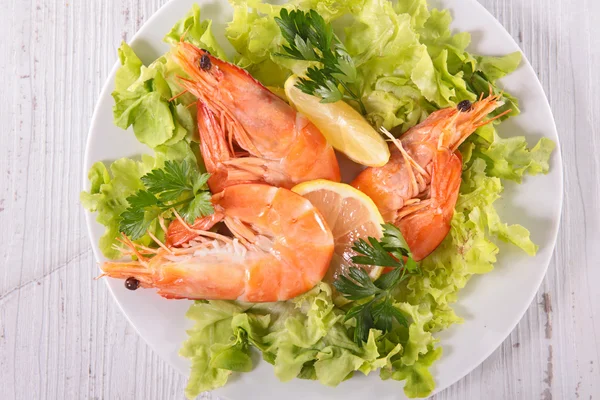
62	335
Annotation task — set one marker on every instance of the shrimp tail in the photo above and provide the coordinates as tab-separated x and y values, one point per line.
427	226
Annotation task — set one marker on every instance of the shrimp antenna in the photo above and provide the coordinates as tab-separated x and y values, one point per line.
493	119
179	95
407	159
127	242
201	232
161	222
158	242
184	34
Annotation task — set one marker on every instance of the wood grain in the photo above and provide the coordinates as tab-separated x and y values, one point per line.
62	336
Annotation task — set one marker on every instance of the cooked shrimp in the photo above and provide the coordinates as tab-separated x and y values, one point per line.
247	133
418	188
281	248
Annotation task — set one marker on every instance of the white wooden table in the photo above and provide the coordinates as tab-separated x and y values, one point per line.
61	334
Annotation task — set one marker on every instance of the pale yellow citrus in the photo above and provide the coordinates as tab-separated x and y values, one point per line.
350	214
343	127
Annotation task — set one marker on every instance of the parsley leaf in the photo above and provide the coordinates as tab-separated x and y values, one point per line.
170	182
142	199
359	287
200	206
375	308
133	223
310	38
374	254
177	185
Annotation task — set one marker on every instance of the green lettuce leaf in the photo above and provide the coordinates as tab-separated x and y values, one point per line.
212	347
419	381
410	48
151	118
110	187
318	336
143	100
193	29
495	68
146	98
398	79
395	102
510	158
417	9
256	37
478	193
419	337
303	338
409	62
330	10
130	69
108	194
436	34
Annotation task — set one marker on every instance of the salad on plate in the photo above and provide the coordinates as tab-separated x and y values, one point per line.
322	192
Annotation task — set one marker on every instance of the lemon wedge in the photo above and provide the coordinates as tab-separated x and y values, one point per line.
351	215
343	127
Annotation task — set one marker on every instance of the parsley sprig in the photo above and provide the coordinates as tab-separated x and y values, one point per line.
310	38
375	303
179	186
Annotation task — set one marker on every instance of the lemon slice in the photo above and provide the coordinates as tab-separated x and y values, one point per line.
350	214
343	127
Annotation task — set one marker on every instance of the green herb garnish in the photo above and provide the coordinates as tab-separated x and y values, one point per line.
178	186
310	38
376	307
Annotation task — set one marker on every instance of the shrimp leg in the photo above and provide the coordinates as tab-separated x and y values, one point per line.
180	233
425	228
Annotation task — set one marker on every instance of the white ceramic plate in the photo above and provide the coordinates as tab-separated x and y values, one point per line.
491	304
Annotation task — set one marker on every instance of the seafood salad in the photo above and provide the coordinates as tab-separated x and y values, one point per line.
322	192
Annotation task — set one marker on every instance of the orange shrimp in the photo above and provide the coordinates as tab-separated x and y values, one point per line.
418	188
247	133
281	248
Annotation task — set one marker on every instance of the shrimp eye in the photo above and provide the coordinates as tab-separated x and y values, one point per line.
205	63
132	283
464	106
